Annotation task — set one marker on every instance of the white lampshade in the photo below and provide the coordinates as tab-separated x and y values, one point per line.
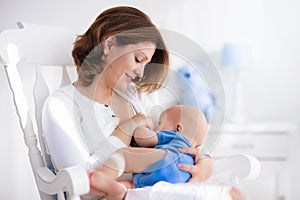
236	55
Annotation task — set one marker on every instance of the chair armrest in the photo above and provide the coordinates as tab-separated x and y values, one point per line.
237	167
73	180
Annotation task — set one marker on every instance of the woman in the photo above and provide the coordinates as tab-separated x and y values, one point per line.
121	56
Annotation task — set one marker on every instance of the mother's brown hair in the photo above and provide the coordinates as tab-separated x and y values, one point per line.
130	26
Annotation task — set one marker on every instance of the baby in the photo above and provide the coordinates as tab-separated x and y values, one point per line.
179	127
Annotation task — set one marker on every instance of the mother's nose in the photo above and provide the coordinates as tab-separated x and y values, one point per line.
139	71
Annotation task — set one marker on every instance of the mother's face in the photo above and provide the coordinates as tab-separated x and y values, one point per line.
127	63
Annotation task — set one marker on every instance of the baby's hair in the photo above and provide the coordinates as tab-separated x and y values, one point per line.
193	121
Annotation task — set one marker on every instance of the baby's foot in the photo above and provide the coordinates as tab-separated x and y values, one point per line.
101	182
120	196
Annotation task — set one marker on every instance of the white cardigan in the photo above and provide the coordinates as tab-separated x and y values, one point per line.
78	130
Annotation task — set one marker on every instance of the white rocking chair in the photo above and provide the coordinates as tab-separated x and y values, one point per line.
37	61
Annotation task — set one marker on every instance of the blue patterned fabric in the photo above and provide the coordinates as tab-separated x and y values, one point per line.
166	169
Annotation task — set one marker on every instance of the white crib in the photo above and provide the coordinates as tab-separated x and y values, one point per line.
37	60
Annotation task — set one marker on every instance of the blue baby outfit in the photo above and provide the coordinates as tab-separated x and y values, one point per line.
166	169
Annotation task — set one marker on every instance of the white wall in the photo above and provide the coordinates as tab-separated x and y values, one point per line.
271	87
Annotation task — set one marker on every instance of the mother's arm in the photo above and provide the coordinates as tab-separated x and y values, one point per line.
203	167
63	141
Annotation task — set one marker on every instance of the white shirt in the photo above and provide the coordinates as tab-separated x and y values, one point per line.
78	130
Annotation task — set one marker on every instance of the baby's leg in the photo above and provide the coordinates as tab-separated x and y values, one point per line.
114	166
124	160
103	181
138	159
131	159
127	184
103	185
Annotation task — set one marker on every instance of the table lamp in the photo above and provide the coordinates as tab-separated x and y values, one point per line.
236	57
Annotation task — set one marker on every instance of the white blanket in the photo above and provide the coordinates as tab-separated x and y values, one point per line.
190	191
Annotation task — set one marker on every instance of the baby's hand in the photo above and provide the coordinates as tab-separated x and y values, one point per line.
145	137
138	120
140	132
142	120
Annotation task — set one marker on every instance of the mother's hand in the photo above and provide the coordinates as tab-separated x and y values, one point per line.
203	167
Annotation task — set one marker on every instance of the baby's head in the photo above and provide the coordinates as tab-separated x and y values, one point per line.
190	121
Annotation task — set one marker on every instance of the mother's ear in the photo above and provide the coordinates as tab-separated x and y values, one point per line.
108	43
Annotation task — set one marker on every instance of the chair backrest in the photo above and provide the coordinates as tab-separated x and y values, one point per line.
37	61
